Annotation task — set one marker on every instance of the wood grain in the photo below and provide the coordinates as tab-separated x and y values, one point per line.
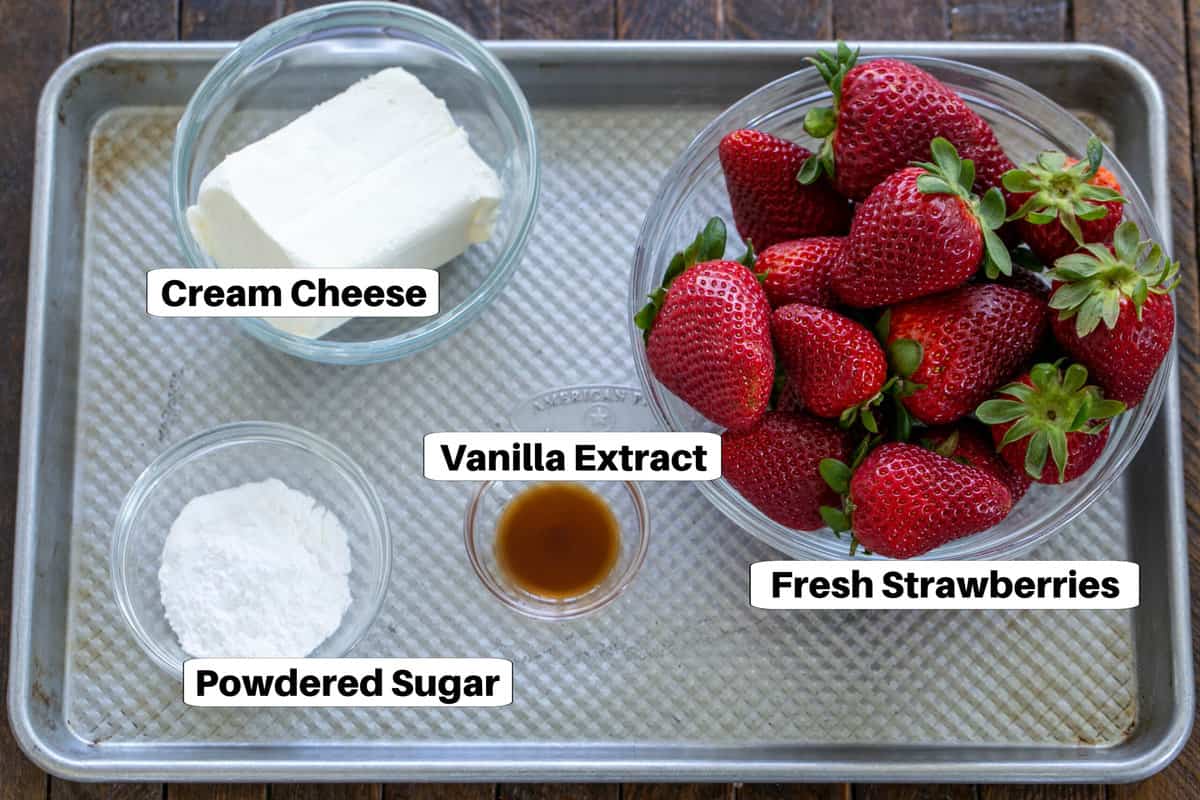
988	20
100	21
558	791
793	791
208	791
649	19
65	790
480	18
326	791
1025	792
906	791
777	19
677	791
892	19
547	19
34	38
439	791
217	20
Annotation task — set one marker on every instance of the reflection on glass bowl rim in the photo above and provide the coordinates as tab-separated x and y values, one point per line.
693	190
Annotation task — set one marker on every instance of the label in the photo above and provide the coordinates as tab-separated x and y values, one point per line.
944	584
658	456
347	682
292	292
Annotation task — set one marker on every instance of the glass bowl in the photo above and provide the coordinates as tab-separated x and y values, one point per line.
483	513
693	190
228	456
291	65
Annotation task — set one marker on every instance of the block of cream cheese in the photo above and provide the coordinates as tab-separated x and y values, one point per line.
378	176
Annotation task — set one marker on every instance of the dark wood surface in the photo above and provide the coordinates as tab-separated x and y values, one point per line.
35	35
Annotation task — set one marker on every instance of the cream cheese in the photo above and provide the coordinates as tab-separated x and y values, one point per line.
377	176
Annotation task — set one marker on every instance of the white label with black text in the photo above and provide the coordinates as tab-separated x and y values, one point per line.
347	682
301	293
944	584
640	456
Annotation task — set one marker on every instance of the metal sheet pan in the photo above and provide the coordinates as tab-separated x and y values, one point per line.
680	680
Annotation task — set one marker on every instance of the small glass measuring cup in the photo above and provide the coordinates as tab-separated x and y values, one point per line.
573	408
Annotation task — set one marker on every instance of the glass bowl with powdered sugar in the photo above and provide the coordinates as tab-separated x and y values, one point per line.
250	539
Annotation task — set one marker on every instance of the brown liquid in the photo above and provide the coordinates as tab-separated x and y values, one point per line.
557	540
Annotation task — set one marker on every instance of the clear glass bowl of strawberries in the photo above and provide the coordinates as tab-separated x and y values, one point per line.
926	308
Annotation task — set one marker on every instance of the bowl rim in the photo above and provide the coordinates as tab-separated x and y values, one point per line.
233	434
552	610
752	521
267	40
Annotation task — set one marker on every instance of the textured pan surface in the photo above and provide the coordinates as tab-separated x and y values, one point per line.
680	667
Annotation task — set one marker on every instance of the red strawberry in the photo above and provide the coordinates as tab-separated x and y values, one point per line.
905	500
1126	287
920	232
835	364
798	271
708	334
769	205
971	443
1050	412
885	113
971	340
775	466
1062	203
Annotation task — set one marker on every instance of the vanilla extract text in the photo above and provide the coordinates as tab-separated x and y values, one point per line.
583	457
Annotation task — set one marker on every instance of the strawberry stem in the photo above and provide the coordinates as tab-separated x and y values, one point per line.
1057	403
709	245
820	123
1094	281
1058	191
949	174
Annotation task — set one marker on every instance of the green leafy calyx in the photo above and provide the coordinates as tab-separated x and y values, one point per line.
820	123
949	174
1095	280
1060	190
709	245
1057	403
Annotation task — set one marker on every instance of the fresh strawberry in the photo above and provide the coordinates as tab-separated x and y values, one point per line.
835	365
1126	287
769	204
774	465
967	342
920	232
708	334
797	271
1049	411
905	500
885	113
971	443
1060	203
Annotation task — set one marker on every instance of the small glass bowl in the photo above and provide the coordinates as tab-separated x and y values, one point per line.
291	65
693	190
483	513
228	456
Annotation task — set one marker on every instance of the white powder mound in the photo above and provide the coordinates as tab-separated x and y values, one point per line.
259	570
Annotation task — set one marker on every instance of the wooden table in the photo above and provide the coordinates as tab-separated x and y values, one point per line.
36	35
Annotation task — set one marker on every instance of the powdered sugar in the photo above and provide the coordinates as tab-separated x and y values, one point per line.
254	571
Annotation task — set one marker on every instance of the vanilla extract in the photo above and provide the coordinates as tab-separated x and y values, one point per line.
584	457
